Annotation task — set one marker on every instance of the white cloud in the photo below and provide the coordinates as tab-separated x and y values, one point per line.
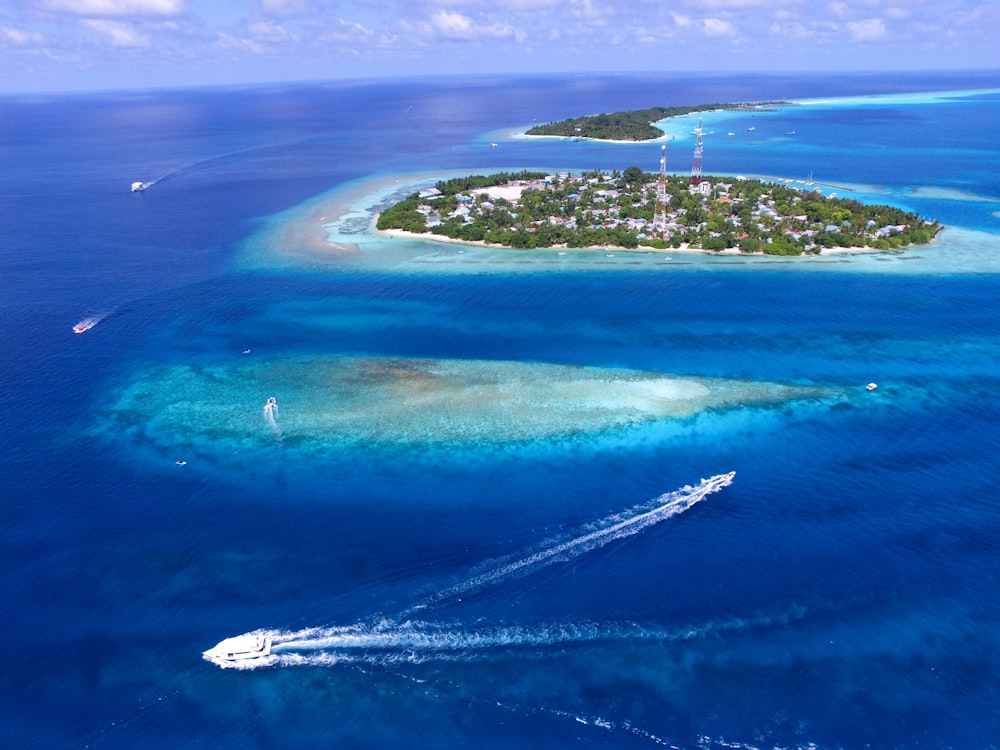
226	41
868	30
107	8
458	26
452	24
350	37
258	38
303	37
271	32
13	37
118	33
743	4
528	5
284	7
984	17
587	11
716	27
840	10
797	31
355	29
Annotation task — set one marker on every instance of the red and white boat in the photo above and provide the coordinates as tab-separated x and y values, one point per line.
85	325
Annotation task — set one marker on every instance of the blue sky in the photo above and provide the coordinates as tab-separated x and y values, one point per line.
50	45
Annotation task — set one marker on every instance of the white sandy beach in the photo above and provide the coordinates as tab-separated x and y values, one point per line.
684	248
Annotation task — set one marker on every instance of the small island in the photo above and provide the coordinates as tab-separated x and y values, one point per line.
632	208
637	124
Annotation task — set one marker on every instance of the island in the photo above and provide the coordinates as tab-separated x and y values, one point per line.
637	124
631	208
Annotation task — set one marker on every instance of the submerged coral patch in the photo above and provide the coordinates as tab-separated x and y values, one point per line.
323	403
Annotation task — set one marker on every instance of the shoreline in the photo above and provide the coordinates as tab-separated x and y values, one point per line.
310	230
303	230
656	124
641	250
665	138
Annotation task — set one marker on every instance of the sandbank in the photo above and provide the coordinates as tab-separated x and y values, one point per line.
309	229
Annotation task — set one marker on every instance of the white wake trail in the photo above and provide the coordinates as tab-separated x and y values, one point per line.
432	638
271	416
610	529
92	320
387	643
401	639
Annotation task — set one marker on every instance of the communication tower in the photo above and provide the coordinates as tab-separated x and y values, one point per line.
660	212
696	167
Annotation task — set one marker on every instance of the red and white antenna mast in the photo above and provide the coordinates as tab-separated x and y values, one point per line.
660	212
696	167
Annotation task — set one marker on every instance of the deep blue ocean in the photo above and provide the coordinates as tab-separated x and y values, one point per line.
463	527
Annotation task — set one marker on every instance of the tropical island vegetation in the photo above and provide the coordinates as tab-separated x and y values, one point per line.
622	209
633	125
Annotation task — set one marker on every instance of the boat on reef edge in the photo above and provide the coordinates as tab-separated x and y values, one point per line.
240	648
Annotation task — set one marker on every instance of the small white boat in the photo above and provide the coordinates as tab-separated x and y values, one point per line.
871	386
240	648
271	410
730	133
138	187
751	128
85	325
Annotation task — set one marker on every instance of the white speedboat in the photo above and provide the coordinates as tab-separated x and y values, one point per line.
138	187
240	648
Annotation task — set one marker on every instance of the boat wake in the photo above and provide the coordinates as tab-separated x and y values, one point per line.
90	321
558	550
271	416
388	643
401	639
200	164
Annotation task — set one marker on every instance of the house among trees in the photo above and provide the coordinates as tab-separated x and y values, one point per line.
598	209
